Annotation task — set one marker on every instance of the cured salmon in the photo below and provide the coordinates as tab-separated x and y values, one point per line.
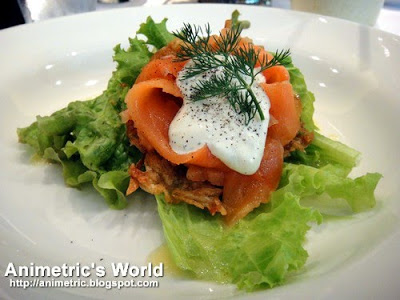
284	110
153	102
152	105
164	67
241	193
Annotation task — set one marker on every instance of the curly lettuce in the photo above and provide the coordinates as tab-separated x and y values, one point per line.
264	247
88	138
257	252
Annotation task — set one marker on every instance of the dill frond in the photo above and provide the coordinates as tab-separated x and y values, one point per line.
208	52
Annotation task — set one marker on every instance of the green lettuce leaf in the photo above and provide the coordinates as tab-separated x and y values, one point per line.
112	186
129	64
87	137
157	34
322	151
243	24
266	245
306	97
329	181
257	252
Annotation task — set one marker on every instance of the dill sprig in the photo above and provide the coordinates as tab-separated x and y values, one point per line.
236	65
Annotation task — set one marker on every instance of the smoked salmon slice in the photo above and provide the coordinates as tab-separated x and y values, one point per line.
153	102
166	68
152	105
243	193
276	74
284	110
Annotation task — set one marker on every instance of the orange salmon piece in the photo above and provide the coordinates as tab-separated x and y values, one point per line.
152	105
276	74
284	110
243	193
165	68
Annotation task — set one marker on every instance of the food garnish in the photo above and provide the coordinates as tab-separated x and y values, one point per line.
240	66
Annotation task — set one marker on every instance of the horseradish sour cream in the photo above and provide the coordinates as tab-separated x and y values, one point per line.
215	123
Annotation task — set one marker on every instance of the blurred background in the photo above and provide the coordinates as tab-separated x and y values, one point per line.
383	14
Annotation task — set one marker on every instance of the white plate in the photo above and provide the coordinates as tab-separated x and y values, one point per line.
354	72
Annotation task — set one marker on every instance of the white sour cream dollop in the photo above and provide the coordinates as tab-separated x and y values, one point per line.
214	122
